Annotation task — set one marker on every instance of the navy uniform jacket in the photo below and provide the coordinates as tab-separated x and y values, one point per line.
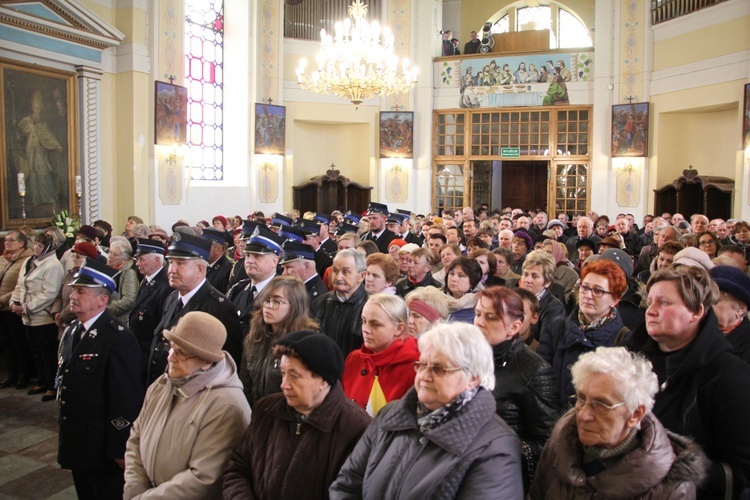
330	248
322	261
147	311
382	242
238	273
218	274
315	287
207	299
101	391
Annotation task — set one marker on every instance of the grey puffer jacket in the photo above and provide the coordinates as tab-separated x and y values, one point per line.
473	455
663	466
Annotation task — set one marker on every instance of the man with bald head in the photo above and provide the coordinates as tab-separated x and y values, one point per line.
584	230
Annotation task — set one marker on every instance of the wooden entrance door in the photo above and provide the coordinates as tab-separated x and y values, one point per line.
524	184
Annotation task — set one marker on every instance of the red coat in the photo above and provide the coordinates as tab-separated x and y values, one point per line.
394	368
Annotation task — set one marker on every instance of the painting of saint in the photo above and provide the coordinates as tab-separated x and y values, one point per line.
39	132
630	130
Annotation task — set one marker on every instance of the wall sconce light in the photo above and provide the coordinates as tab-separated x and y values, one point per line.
174	156
396	169
626	168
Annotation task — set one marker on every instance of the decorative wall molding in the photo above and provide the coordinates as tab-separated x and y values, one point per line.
65	20
88	106
727	68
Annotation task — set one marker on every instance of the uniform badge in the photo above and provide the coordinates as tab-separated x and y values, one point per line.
120	327
93	333
120	423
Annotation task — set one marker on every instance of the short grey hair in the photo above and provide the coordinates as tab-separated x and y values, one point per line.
360	261
631	373
465	345
123	246
141	231
433	297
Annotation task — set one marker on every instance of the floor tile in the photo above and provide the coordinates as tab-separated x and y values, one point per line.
41	483
14	466
23	437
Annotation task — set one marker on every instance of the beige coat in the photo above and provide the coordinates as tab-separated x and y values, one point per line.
39	290
181	442
9	271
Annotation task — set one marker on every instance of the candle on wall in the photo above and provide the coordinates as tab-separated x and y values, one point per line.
79	187
21	184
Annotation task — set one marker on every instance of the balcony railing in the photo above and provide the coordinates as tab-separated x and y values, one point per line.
664	10
304	18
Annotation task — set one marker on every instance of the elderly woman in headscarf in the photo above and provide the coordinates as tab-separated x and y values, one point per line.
610	445
732	306
427	307
443	438
565	275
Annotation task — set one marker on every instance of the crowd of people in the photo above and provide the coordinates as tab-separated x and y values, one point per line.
496	354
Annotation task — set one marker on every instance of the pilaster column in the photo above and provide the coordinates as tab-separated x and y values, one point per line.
88	140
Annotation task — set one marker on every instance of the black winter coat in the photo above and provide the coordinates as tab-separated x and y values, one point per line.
740	340
527	396
563	342
404	286
342	321
704	394
282	457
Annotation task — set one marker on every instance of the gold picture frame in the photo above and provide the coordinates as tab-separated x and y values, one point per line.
38	110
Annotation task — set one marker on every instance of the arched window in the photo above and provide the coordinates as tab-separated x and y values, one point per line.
204	73
566	29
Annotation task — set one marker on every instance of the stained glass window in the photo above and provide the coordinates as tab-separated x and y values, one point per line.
204	73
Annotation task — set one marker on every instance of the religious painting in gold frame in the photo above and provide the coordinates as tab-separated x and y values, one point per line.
38	110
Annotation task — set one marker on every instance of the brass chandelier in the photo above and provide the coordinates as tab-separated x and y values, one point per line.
354	64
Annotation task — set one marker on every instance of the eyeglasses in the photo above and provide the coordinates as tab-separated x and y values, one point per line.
598	407
180	355
596	292
273	303
436	370
706	243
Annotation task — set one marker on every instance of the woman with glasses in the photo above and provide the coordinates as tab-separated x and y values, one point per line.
594	323
703	384
18	362
610	445
709	243
381	370
284	308
525	386
443	438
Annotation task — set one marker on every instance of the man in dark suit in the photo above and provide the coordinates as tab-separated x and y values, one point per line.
219	265
377	213
153	292
238	270
327	245
188	259
298	260
100	387
399	223
312	237
261	258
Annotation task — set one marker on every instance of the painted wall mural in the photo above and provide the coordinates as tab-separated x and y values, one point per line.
518	80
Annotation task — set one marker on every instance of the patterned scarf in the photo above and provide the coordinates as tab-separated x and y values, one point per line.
597	323
427	420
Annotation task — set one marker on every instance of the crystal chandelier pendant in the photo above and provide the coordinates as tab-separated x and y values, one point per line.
358	62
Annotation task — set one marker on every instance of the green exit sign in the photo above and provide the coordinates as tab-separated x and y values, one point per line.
510	152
